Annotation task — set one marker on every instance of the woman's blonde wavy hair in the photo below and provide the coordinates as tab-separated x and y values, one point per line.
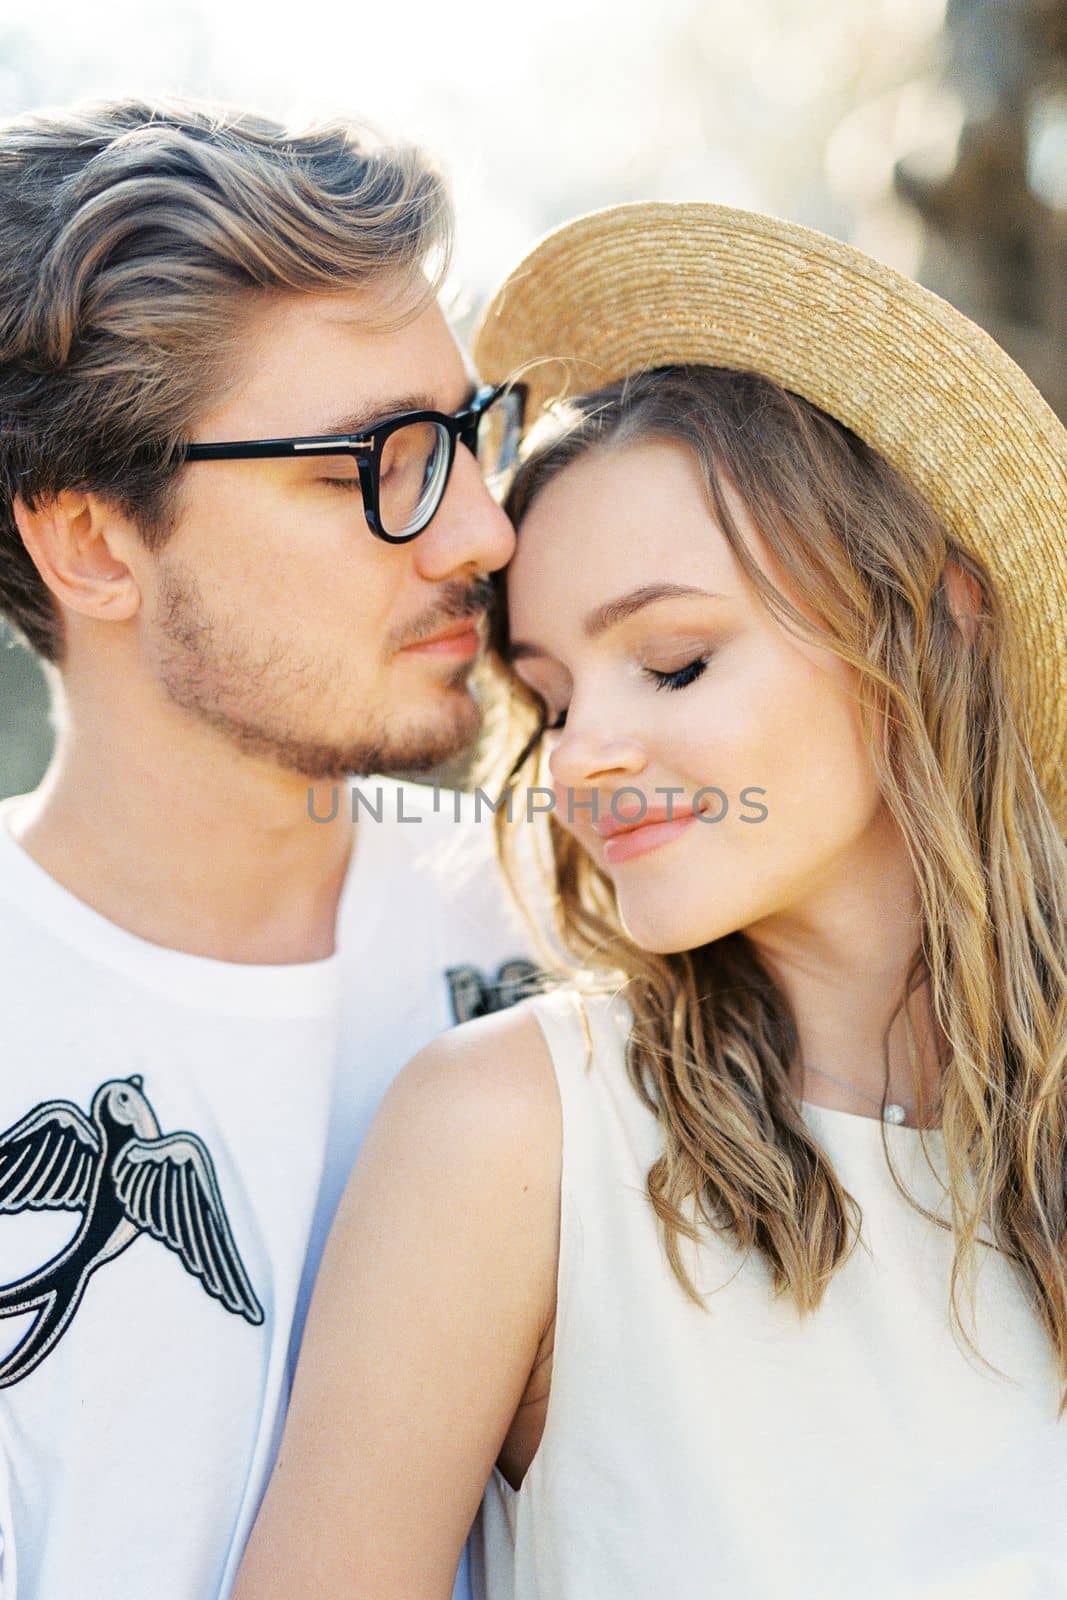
714	1036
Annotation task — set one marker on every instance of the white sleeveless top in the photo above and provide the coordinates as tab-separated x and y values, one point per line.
745	1452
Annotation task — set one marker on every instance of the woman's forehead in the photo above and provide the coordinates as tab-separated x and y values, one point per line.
616	512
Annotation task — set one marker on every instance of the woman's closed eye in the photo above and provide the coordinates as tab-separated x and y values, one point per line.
680	678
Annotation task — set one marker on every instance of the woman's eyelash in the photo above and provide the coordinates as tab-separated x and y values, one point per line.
681	678
342	483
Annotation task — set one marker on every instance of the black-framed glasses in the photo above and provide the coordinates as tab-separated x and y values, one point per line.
404	462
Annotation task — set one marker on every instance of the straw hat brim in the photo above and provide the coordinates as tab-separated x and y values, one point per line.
656	284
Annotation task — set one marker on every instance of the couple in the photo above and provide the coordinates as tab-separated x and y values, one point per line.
734	1262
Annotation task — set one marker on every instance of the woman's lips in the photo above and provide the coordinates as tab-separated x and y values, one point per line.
625	838
646	836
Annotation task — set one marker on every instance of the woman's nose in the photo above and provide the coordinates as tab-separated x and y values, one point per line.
582	759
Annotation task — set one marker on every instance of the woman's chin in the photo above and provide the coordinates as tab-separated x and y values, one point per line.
662	931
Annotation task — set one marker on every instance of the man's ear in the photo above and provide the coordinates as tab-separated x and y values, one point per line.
74	540
964	597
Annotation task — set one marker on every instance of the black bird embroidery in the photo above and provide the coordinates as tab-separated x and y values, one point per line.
127	1178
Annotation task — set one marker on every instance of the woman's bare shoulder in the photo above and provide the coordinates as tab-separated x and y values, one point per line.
485	1089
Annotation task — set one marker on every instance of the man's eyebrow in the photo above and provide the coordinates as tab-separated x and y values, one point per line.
362	421
612	612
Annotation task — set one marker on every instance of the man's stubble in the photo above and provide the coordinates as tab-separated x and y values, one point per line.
276	704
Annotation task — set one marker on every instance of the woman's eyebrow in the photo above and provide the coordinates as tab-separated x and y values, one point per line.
612	612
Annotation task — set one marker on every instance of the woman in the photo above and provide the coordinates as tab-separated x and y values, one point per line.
736	1266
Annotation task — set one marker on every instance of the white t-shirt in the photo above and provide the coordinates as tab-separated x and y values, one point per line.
175	1133
743	1451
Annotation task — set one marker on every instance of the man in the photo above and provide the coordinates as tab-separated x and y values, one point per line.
210	974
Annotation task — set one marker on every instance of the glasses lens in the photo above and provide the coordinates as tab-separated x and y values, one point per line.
499	432
412	475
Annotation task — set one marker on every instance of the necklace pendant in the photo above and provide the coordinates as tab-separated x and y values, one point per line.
894	1113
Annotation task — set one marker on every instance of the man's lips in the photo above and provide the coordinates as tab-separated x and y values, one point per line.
468	630
609	826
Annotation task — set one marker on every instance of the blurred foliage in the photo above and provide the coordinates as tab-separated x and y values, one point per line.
994	205
27	736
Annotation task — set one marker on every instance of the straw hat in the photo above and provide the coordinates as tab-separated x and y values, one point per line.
648	285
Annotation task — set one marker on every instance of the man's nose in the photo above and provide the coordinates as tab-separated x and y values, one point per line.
469	532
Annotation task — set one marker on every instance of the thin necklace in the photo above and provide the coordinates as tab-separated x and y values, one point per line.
891	1112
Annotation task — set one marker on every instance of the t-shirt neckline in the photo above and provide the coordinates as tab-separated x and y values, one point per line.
264	989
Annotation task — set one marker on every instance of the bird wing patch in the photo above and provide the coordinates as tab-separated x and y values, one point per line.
168	1187
47	1159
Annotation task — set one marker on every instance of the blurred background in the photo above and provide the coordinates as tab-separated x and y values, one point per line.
932	134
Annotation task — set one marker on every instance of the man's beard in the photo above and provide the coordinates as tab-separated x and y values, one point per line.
252	695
